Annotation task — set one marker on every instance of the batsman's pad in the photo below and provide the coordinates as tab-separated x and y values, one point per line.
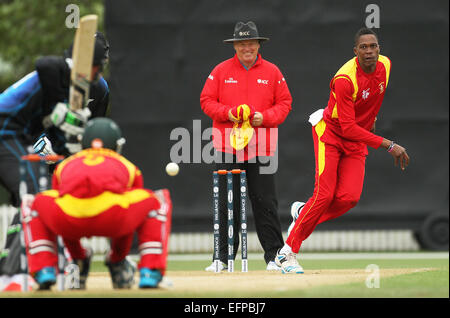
10	256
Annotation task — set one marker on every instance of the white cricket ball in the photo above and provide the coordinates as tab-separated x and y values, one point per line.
172	169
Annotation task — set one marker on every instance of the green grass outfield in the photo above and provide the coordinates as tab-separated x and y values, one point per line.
427	277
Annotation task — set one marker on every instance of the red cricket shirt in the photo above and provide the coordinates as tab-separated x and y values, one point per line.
93	171
262	87
355	100
96	192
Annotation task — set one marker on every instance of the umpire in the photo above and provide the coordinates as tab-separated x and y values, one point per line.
247	98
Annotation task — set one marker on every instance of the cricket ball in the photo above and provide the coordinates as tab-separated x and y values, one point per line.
172	169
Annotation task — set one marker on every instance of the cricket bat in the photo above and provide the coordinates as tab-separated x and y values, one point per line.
82	59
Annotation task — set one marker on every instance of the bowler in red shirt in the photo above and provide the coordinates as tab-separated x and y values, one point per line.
341	134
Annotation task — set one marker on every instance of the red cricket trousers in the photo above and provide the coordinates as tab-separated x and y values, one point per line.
150	219
339	177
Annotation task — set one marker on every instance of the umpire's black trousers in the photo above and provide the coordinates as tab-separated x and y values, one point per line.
263	199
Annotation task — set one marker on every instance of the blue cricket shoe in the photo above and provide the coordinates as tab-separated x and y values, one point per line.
149	278
46	277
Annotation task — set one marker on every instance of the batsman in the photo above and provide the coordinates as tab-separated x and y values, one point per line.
98	192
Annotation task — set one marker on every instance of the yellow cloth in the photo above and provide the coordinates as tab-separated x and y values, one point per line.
241	136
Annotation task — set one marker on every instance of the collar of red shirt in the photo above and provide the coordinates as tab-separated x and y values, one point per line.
257	62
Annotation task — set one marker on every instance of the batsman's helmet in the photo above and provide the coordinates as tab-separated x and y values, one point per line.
101	50
102	132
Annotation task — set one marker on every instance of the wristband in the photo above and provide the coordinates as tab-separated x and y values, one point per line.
391	146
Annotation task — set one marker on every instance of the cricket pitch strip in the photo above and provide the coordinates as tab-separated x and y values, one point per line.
201	284
191	282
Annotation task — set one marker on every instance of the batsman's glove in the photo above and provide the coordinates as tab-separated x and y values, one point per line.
43	147
71	122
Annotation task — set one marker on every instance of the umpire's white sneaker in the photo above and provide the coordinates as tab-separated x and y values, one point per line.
295	211
272	266
288	263
222	266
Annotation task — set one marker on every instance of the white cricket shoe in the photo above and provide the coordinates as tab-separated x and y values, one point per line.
222	266
295	211
288	263
272	266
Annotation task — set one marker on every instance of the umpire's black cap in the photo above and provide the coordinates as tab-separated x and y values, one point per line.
246	31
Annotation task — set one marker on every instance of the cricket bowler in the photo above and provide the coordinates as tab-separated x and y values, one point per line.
341	133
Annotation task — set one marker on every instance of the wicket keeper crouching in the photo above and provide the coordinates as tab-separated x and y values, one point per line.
97	192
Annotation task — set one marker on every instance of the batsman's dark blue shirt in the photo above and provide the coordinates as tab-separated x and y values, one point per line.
25	104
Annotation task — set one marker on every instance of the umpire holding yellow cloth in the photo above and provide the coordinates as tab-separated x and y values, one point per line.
247	97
